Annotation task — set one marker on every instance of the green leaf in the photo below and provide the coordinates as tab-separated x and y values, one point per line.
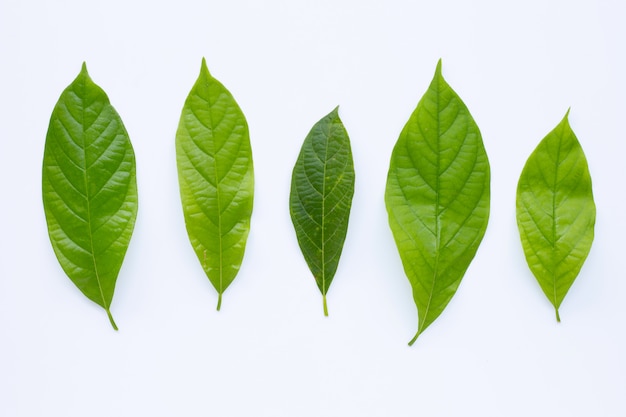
89	189
555	212
216	178
437	197
322	186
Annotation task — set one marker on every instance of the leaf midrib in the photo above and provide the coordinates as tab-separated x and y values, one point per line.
324	195
88	198
557	164
212	144
437	211
329	193
217	196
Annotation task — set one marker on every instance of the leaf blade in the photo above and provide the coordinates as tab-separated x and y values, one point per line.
437	197
556	211
216	178
89	189
322	187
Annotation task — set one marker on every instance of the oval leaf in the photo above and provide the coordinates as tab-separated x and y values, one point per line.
216	178
89	189
556	212
437	197
322	186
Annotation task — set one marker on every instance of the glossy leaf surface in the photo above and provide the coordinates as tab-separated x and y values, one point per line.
556	212
89	189
437	197
322	186
216	178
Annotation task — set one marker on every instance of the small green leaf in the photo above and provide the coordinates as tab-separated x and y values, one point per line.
216	178
555	212
437	197
89	189
322	186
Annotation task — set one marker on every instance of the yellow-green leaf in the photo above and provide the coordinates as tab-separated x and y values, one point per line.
556	212
216	178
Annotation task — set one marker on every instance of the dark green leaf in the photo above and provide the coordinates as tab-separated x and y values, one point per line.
216	178
555	212
322	186
437	197
89	189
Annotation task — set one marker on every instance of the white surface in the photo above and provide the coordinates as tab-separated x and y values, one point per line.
496	350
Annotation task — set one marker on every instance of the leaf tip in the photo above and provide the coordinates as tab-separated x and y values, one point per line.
567	112
334	114
565	120
438	69
83	75
203	67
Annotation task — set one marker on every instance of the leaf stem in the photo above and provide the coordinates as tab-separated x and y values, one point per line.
111	319
414	338
325	305
558	318
219	301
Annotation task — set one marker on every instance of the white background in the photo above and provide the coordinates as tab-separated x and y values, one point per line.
495	351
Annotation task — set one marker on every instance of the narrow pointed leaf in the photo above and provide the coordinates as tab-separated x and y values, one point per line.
437	197
322	186
216	178
556	212
89	189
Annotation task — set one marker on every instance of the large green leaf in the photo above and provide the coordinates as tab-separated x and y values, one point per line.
555	212
216	178
322	186
89	189
437	197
